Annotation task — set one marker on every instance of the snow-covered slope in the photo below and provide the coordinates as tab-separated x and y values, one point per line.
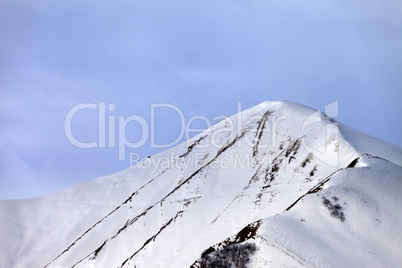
353	222
277	185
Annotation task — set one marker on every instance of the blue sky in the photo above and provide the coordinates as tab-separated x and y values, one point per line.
201	56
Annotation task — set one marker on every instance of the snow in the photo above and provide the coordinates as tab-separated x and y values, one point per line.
368	237
166	216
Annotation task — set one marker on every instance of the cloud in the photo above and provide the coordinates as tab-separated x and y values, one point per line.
202	56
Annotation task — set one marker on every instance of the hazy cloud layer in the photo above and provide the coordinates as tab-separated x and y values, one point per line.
202	56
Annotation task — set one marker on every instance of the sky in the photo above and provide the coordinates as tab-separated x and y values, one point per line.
199	57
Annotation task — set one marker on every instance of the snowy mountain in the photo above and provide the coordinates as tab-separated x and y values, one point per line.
278	185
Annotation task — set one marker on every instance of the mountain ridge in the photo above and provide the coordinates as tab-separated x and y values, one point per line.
176	213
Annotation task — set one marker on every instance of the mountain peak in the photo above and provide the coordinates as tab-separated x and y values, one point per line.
270	183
